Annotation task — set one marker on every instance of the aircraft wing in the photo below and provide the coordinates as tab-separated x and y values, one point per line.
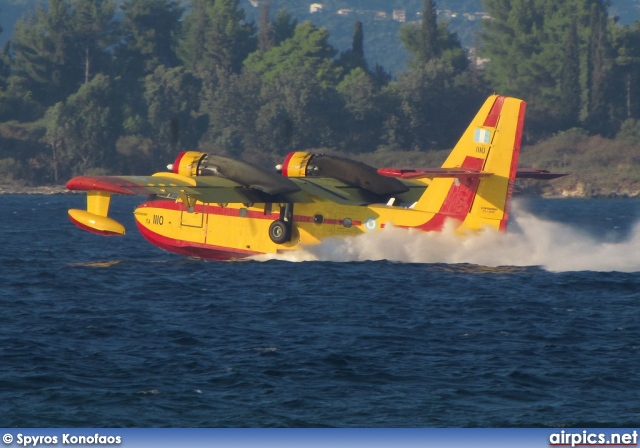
210	189
214	189
431	173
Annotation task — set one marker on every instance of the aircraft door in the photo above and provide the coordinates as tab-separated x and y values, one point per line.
192	219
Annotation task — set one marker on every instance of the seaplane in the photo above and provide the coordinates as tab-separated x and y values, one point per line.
216	207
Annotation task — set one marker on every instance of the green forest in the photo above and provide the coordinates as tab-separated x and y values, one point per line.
99	87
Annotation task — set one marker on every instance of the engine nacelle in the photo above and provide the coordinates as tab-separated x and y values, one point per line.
351	172
296	164
188	163
193	163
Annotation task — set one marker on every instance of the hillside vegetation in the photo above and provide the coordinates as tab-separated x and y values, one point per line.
100	87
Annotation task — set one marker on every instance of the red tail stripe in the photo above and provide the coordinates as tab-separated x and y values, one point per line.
514	165
460	195
494	113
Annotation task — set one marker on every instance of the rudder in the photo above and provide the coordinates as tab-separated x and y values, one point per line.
488	150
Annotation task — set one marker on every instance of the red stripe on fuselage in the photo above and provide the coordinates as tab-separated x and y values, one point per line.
228	211
193	249
208	209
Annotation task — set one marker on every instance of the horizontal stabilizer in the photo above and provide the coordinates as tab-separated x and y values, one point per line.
530	173
432	173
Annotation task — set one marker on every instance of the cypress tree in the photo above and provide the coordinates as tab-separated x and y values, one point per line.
430	47
354	57
358	40
266	35
627	66
570	91
597	71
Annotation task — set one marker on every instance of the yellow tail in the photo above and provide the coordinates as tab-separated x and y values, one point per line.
485	160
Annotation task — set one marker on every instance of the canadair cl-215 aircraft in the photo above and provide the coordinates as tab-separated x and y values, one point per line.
220	208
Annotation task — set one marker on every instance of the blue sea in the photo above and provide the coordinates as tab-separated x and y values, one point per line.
539	327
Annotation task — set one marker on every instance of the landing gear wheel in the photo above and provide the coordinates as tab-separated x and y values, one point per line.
279	232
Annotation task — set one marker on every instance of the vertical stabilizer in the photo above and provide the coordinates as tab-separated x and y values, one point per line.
488	153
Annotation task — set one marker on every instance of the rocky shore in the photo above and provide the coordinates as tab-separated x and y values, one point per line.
47	189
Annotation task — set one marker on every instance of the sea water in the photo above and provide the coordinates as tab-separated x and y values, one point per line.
536	327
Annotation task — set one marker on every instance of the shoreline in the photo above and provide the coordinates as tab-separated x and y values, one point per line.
45	190
556	194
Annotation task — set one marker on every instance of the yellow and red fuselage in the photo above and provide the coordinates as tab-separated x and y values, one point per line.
233	231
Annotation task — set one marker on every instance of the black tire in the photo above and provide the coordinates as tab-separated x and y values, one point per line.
279	232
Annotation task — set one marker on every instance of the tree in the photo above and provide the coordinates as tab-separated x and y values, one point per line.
55	124
87	125
41	53
364	114
429	41
627	69
598	66
354	57
58	48
4	64
358	40
299	110
92	34
284	26
233	113
216	36
308	48
173	98
527	43
430	48
570	92
424	105
150	30
266	34
299	106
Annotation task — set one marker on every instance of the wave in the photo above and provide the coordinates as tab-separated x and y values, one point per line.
530	241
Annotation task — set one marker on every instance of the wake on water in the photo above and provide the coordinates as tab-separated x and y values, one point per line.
530	241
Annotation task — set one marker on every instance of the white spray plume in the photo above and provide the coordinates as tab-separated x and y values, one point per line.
534	242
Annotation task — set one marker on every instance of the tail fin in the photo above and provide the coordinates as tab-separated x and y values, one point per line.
488	150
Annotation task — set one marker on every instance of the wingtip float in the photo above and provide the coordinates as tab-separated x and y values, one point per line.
217	207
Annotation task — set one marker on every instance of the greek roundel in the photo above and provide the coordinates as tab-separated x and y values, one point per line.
370	224
482	136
